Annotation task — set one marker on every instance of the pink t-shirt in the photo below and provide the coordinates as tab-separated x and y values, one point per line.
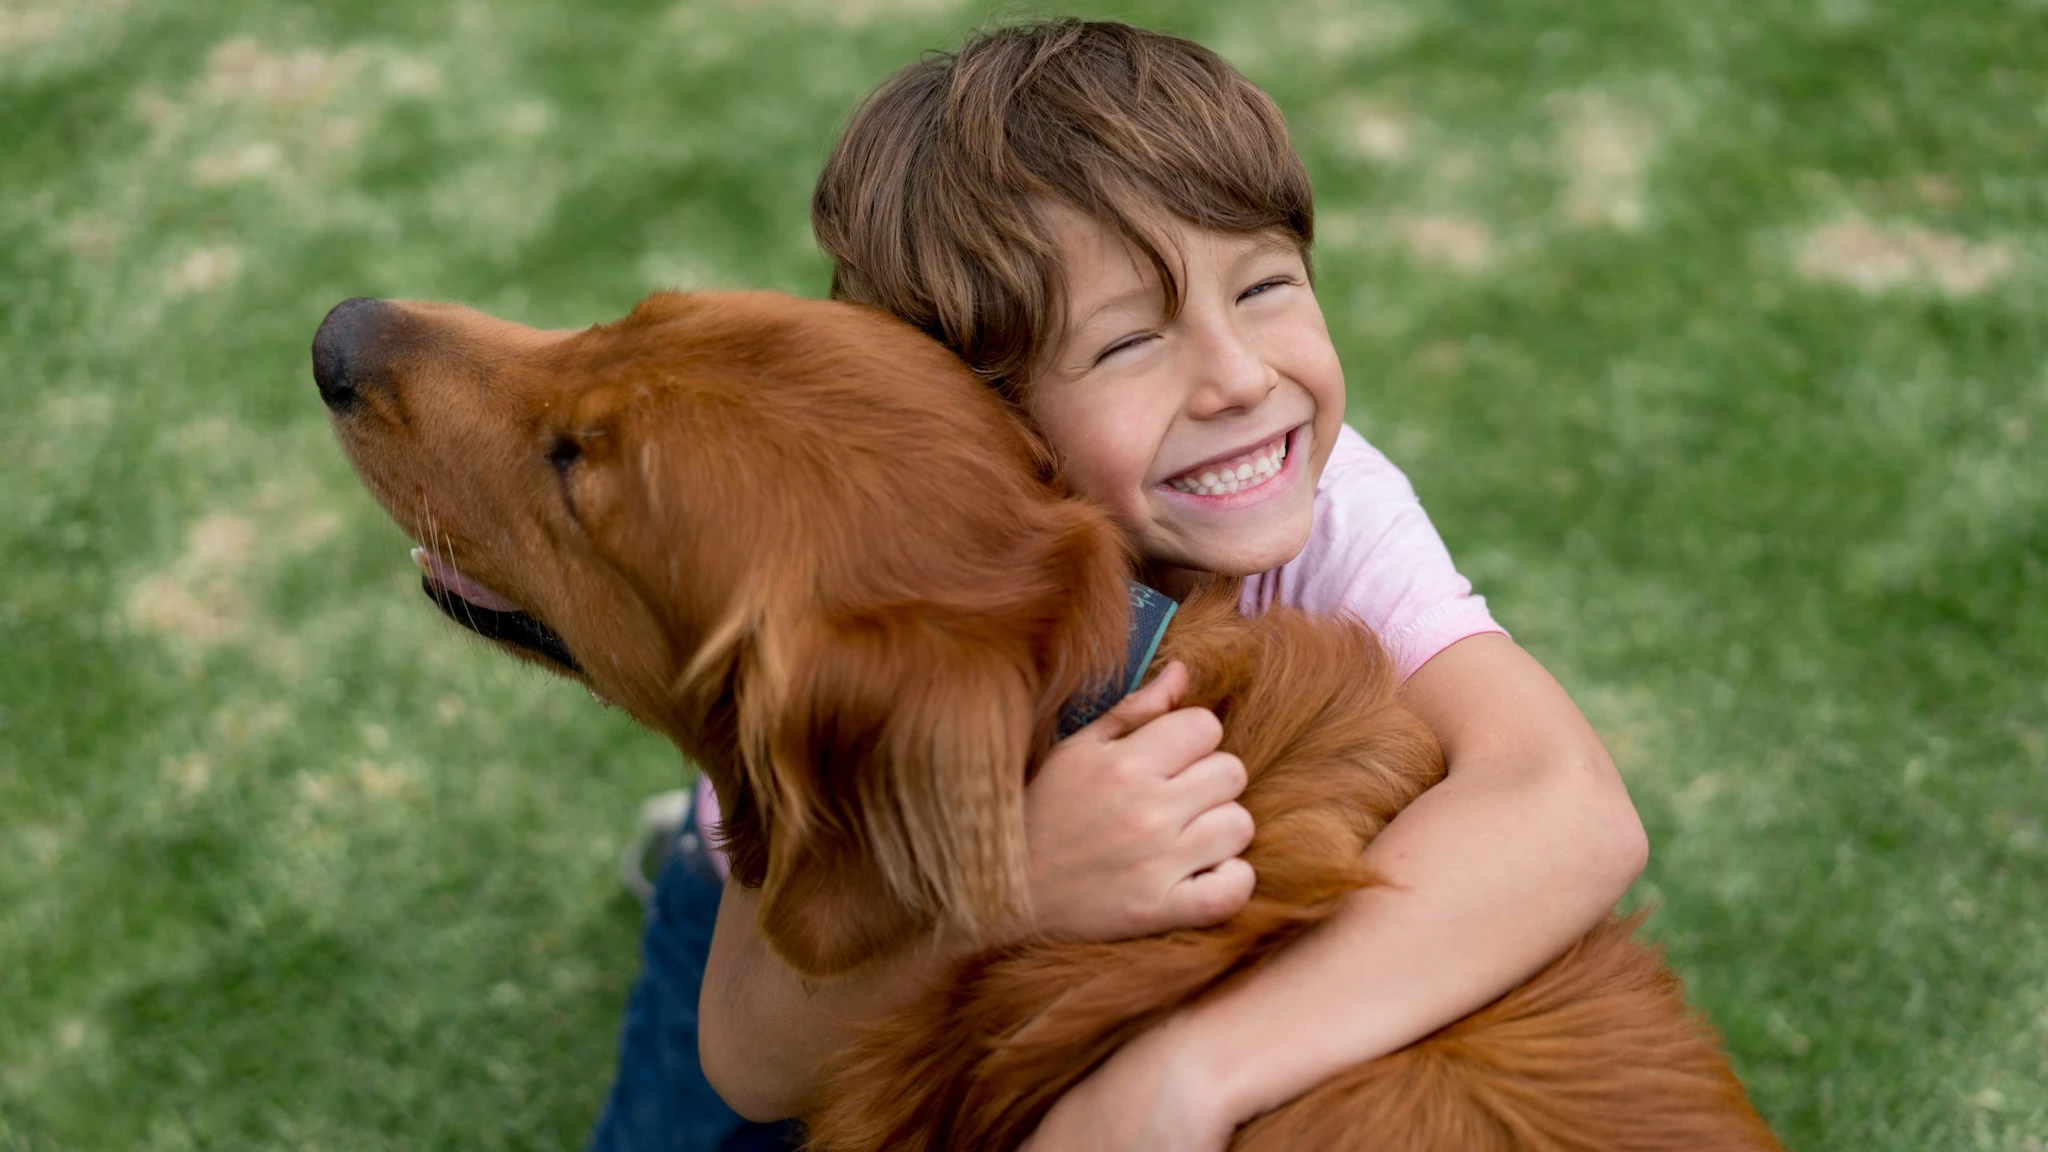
1371	552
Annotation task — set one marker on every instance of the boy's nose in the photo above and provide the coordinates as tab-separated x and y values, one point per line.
1233	374
342	347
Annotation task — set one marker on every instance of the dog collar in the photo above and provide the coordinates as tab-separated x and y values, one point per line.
1151	610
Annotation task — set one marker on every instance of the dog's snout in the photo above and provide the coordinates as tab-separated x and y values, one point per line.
341	347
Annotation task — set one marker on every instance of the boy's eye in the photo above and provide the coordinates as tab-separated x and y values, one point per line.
1131	341
1263	285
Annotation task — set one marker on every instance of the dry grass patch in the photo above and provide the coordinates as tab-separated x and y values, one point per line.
32	24
1605	151
199	599
242	70
204	270
236	163
205	597
1371	131
1875	257
1456	243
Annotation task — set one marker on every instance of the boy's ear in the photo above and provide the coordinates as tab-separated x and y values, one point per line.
888	753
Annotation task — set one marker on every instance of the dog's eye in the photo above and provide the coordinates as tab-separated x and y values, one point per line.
564	452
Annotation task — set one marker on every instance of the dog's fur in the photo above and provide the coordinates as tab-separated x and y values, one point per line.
806	544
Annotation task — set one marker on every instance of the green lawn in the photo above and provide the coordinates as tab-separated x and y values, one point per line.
1711	333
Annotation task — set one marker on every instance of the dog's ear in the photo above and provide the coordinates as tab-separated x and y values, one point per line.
827	911
888	753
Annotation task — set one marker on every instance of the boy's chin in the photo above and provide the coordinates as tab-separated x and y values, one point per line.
1231	558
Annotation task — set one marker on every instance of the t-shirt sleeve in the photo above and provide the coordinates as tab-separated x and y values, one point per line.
1373	553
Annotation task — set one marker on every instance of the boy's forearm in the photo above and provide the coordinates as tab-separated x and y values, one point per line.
764	1033
1492	876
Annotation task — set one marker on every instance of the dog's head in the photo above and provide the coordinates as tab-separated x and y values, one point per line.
798	537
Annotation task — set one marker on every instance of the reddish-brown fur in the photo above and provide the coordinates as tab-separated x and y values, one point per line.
806	544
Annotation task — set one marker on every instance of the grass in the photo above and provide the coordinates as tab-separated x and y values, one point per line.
1710	333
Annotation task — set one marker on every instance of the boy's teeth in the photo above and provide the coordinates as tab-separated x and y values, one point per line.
1247	471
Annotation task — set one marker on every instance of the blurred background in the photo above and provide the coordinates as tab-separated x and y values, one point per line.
1710	332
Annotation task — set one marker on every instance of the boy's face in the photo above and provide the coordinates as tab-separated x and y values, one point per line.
1204	434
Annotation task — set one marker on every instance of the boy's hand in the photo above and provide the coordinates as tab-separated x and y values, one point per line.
1147	1097
1132	822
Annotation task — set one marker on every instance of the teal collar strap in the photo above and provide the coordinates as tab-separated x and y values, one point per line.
1151	611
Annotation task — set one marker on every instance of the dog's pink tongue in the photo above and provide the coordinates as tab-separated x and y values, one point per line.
447	577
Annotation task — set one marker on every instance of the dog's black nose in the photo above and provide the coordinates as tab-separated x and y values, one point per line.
339	347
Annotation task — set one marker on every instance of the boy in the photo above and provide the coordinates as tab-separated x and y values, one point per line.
1111	227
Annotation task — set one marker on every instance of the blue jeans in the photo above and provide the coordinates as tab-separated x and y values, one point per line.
661	1101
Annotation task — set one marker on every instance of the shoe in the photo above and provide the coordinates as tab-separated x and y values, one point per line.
665	828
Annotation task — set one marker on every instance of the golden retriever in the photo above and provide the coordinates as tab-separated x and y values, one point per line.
805	543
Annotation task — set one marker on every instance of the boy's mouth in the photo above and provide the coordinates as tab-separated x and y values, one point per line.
1239	473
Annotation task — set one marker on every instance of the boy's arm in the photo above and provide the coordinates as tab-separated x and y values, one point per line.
764	1031
1133	828
1524	846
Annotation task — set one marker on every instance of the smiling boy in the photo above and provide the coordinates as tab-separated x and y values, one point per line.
1155	419
1110	225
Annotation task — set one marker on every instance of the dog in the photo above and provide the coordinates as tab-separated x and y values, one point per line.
804	542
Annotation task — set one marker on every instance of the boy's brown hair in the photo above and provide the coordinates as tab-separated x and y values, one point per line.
931	203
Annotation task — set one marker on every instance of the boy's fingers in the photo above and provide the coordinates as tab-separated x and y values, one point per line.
1153	699
1213	896
1216	778
1219	833
1171	744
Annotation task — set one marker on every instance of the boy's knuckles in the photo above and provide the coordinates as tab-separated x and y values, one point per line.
1131	767
1234	773
1120	761
1209	903
1144	826
1229	886
1238	826
1203	725
1190	731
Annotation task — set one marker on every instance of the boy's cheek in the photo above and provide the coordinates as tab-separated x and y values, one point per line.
1328	423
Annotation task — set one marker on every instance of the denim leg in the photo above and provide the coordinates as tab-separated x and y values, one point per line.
661	1101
